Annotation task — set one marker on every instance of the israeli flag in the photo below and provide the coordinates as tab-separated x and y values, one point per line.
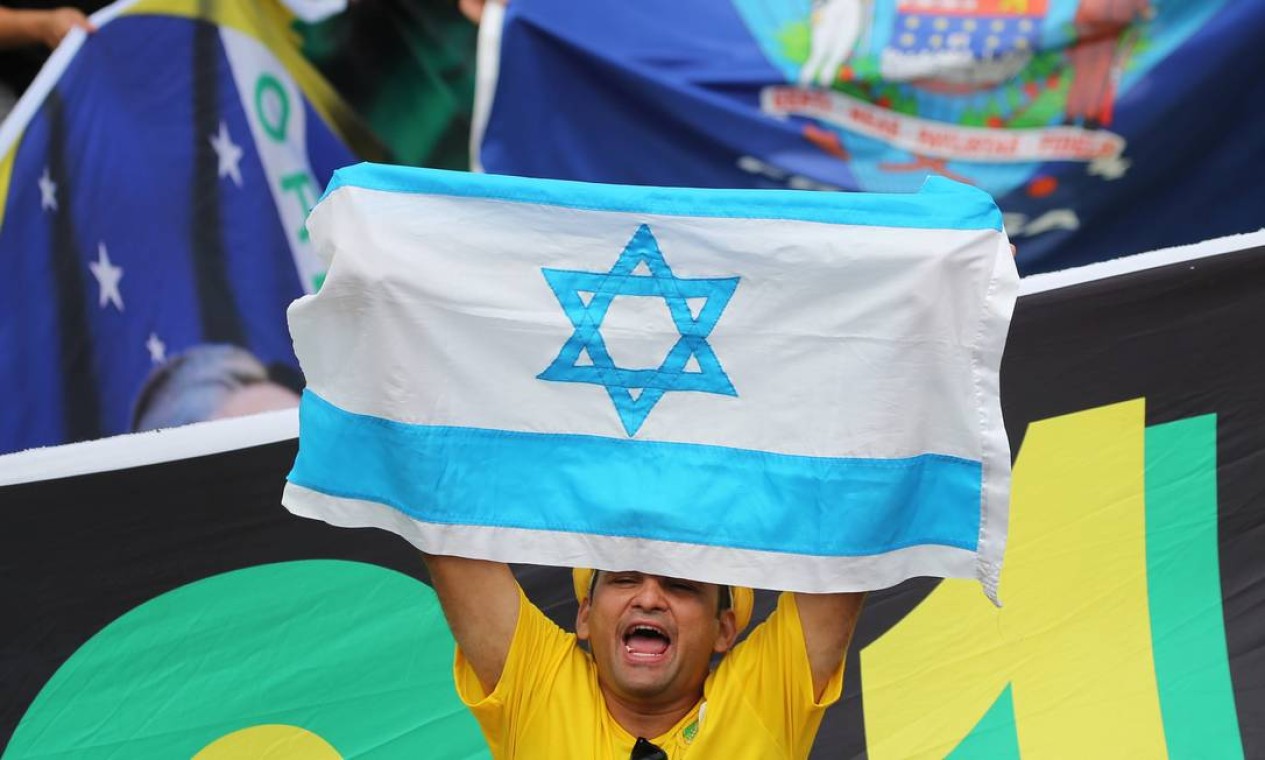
779	389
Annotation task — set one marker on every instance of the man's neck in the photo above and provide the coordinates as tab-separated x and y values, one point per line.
648	720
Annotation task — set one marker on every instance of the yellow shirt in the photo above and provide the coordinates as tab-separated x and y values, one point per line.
758	703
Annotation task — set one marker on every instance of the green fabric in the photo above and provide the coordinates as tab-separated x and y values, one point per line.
407	67
355	653
1192	668
993	737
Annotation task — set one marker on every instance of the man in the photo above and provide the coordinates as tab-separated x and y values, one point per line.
645	688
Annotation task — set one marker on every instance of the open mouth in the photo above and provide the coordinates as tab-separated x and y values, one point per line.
645	641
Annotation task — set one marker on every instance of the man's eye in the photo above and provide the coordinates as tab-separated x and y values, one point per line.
688	588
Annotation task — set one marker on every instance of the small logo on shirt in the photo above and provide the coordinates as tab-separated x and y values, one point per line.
691	731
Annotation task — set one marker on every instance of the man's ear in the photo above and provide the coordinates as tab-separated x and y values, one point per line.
582	621
728	632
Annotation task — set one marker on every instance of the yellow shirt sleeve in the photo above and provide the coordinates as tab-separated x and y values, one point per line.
770	675
535	655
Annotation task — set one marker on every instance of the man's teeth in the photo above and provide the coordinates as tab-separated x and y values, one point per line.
646	641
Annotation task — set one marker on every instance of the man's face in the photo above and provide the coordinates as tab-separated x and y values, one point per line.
653	637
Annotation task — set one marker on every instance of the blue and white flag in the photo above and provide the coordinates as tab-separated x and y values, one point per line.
780	389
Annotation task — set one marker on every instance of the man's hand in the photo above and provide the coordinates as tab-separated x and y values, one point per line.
828	621
58	22
19	28
473	9
480	601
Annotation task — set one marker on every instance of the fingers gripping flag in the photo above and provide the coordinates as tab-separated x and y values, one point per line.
779	389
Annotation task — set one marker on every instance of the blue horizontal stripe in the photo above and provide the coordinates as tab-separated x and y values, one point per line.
691	493
940	203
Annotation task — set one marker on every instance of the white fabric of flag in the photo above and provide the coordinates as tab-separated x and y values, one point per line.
779	389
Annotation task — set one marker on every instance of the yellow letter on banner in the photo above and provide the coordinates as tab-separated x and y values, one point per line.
1074	639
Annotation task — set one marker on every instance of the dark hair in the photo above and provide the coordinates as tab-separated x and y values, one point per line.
726	599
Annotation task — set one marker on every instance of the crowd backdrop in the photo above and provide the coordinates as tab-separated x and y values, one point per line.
155	176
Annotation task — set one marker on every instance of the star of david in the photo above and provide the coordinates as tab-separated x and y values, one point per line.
634	392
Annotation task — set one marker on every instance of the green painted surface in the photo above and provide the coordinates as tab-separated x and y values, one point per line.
355	653
994	737
1192	668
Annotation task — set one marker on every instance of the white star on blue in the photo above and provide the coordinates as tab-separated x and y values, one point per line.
671	375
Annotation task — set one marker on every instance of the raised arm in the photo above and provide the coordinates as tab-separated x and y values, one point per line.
828	621
480	601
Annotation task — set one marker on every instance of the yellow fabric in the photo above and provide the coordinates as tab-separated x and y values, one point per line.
758	703
6	171
1074	612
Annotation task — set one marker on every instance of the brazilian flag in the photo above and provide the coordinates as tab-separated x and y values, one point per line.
154	182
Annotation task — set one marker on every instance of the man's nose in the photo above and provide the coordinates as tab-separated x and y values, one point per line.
650	594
